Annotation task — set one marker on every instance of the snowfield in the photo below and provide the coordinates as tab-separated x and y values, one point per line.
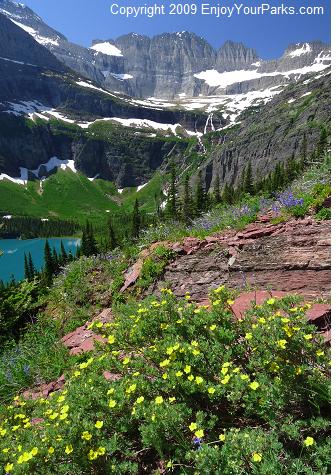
43	40
222	80
52	163
106	48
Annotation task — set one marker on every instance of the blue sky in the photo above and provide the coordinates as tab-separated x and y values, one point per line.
84	20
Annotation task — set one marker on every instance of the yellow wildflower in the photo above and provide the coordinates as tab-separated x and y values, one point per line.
199	433
164	363
254	385
187	369
230	302
9	467
68	449
165	376
248	336
193	426
86	435
112	403
226	379
282	344
221	437
270	301
99	424
309	441
34	451
131	388
308	337
101	451
178	374
199	380
111	339
159	400
211	390
140	400
256	457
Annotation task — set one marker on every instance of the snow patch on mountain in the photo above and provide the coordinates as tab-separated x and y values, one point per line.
106	48
305	49
47	167
120	77
43	40
222	80
18	62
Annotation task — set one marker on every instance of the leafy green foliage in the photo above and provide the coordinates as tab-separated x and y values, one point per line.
193	391
17	307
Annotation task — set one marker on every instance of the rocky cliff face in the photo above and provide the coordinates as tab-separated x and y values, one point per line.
172	64
289	257
41	101
269	134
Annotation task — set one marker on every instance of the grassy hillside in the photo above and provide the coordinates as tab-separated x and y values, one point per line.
68	195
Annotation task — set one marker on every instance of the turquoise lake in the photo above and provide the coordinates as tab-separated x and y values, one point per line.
12	259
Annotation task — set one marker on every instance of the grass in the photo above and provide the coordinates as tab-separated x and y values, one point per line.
67	195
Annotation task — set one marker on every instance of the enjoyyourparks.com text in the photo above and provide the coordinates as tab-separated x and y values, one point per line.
215	10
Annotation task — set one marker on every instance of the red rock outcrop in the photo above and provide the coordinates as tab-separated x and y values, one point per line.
83	339
290	257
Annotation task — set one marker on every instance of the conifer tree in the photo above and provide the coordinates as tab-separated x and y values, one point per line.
55	261
322	143
248	183
26	268
64	256
89	245
217	193
32	270
303	152
48	264
228	194
200	195
187	201
111	238
136	220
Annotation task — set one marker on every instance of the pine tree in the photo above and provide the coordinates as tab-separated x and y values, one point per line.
303	152
228	194
26	268
248	183
64	256
56	267
32	270
217	193
200	195
187	202
89	245
111	238
322	143
136	220
48	264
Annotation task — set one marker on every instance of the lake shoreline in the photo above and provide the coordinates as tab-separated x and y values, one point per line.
14	250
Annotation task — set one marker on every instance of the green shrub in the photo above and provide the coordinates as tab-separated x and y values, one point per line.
192	391
323	214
